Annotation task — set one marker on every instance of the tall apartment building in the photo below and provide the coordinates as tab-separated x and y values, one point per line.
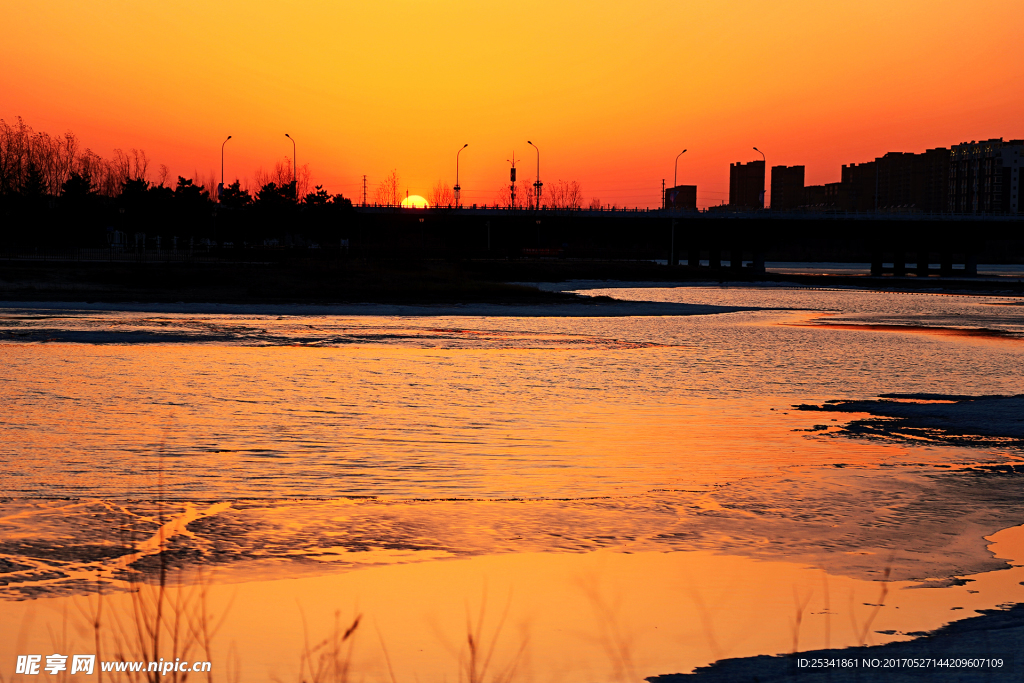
913	182
746	185
984	177
972	177
858	191
814	197
787	187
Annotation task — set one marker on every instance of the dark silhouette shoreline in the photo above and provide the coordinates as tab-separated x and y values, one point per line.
316	280
994	634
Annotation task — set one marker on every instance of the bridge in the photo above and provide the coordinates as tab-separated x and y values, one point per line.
714	239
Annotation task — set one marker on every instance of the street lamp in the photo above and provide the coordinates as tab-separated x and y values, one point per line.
458	190
220	188
295	181
675	176
764	181
512	184
537	185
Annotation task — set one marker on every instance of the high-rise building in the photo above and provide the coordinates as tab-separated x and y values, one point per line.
984	177
814	197
859	182
746	185
912	182
972	177
787	187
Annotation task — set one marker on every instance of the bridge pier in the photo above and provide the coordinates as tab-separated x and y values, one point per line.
715	258
946	264
673	260
876	263
759	262
899	263
971	265
735	259
922	263
922	268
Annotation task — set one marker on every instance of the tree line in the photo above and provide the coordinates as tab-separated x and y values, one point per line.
55	193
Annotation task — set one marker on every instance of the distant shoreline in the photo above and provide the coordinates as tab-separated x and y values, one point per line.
403	283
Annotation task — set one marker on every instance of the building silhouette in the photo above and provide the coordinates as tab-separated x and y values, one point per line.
984	177
746	185
787	187
972	177
681	197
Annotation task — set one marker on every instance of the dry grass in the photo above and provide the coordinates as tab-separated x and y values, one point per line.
330	660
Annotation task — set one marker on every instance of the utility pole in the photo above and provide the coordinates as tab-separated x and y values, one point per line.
663	204
364	189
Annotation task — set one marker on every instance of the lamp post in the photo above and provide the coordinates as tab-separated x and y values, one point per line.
537	185
764	181
675	181
220	188
675	176
512	183
458	190
295	180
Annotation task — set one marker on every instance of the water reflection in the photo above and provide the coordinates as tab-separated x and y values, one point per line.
269	447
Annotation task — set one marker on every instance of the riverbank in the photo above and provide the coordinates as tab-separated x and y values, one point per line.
322	280
982	648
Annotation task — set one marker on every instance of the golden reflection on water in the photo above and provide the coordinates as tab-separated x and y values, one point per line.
211	421
610	481
600	616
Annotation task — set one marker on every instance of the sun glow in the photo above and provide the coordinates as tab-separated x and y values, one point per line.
415	202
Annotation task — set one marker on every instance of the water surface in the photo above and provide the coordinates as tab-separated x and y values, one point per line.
270	446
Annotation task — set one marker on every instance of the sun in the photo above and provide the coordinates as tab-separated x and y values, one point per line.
414	201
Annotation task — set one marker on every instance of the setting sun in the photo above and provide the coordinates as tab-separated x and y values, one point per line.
415	202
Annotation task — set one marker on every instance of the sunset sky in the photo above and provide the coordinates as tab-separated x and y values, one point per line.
609	91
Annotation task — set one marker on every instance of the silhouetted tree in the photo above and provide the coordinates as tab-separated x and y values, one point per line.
283	176
53	193
77	189
274	197
189	194
387	190
192	203
80	212
523	199
134	194
234	197
318	198
441	195
565	194
33	188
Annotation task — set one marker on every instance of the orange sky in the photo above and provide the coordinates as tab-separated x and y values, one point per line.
610	91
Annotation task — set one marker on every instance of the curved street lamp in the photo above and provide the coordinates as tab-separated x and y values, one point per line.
537	185
220	188
295	180
458	190
675	176
764	182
